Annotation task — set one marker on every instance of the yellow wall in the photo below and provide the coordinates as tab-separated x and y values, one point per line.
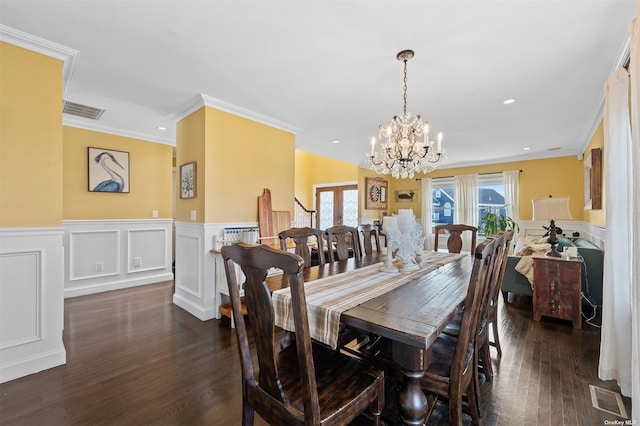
236	159
190	146
150	178
560	176
303	176
314	169
30	138
597	217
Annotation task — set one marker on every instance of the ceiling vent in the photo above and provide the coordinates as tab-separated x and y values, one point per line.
82	110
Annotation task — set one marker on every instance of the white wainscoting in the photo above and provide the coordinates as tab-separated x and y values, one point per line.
593	233
198	282
104	255
31	301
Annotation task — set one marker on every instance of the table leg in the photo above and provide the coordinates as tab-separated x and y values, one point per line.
413	362
411	400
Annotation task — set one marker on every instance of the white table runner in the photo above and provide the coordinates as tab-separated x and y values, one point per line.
328	297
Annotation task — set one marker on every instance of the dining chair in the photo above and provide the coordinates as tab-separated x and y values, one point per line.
370	238
452	374
283	387
482	343
342	240
300	237
454	242
494	292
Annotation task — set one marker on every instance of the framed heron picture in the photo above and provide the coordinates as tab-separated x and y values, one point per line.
188	180
108	170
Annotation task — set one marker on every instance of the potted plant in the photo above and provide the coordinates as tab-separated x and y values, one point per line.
494	222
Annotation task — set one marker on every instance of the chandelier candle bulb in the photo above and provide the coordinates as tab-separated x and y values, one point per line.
373	146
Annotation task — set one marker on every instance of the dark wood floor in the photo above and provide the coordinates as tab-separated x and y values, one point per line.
134	358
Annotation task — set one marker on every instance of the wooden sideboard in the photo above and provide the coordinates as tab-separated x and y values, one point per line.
557	288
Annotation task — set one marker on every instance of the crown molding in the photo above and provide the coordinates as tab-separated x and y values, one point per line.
203	100
67	55
68	120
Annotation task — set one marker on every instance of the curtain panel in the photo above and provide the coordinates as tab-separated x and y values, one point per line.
467	204
634	70
512	196
616	338
427	213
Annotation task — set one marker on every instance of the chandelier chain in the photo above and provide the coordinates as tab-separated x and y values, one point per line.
405	88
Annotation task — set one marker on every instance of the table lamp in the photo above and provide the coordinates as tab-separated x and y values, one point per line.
552	209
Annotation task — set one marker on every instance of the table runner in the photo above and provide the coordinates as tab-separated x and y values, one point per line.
328	297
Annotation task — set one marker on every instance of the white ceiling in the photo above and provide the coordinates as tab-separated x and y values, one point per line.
328	68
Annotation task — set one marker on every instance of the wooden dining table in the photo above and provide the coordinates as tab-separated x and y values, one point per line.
410	316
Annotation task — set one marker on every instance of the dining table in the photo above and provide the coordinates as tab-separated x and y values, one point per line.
410	312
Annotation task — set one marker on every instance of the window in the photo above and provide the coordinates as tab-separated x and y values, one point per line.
448	211
490	198
443	201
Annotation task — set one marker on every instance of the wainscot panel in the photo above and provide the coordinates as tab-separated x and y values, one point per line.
31	301
105	255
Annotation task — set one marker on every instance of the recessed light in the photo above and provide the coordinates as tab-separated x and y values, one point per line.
335	141
162	128
508	101
526	149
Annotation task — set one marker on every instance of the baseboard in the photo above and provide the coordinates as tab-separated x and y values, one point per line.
31	365
195	310
117	285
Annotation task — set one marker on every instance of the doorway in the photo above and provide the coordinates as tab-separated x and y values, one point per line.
337	205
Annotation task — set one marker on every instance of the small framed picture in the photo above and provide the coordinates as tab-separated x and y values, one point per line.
188	180
108	170
406	196
593	180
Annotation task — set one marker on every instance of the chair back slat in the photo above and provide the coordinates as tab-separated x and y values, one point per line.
501	266
370	237
454	242
345	238
300	237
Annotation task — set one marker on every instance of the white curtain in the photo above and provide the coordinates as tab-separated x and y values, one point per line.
467	204
616	336
634	69
427	213
512	195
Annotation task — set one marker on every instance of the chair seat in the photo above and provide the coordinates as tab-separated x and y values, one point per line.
443	351
342	382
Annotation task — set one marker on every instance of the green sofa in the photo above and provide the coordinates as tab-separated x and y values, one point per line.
514	282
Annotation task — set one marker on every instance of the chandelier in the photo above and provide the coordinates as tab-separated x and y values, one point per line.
405	147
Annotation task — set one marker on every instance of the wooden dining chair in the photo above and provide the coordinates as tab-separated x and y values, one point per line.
300	237
283	387
494	292
370	238
482	343
490	316
452	374
341	241
454	242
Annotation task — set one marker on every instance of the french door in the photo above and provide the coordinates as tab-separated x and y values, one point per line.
337	205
